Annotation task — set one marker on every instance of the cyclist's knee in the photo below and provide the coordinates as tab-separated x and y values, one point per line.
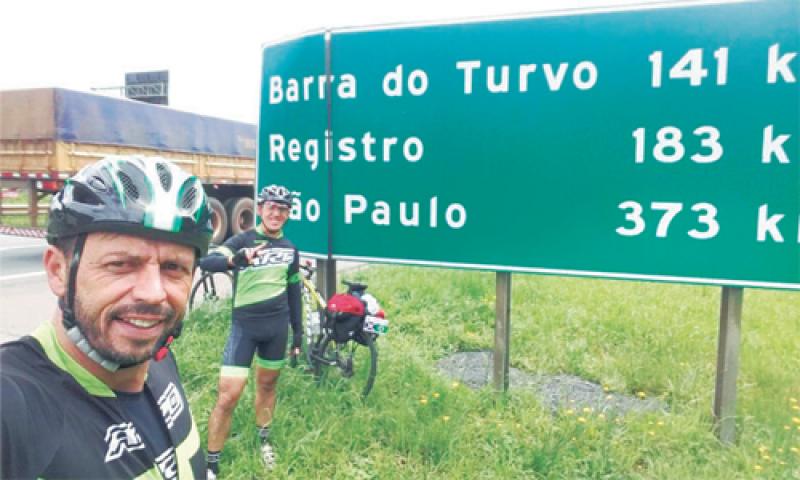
226	401
267	380
229	394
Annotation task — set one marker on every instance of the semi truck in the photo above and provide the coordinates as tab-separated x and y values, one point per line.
48	134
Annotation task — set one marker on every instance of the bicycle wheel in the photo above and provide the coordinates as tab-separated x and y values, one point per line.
211	287
346	365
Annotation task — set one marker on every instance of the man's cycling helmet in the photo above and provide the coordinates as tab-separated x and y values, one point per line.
136	195
277	194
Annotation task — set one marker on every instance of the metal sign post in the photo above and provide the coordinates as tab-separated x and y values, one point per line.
326	277
730	326
502	332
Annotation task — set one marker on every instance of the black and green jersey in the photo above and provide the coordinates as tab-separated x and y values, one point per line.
267	291
60	421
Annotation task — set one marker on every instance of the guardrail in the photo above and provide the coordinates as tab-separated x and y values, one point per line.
22	209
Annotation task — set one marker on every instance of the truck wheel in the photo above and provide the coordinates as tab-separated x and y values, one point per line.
241	215
219	221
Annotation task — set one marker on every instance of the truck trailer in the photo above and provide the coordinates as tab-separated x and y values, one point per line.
48	134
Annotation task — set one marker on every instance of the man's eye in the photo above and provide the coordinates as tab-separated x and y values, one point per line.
118	266
175	267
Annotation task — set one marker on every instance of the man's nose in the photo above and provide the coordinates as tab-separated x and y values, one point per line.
149	286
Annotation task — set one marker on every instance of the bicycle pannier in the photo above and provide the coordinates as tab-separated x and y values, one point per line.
346	314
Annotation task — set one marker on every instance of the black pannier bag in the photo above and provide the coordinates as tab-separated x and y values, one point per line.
346	317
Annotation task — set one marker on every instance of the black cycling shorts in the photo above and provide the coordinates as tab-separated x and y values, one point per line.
242	344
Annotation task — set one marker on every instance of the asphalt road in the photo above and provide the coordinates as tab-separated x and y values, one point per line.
25	298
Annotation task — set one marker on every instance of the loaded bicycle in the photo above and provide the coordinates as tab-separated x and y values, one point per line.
341	333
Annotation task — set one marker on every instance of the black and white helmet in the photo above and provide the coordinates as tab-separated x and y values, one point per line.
277	194
136	195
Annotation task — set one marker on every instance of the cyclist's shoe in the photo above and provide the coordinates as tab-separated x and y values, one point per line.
210	475
268	456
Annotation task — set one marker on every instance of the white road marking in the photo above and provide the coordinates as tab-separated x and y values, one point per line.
21	275
20	247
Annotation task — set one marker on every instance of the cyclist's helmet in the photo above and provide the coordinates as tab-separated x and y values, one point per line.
136	195
277	194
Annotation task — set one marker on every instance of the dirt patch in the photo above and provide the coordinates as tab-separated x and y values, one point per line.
558	392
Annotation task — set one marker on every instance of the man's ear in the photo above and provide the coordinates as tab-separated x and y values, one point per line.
55	266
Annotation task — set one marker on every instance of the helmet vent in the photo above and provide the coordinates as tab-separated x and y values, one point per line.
97	183
189	198
82	194
128	186
164	176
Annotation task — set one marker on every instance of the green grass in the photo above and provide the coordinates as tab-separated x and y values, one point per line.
23	220
632	337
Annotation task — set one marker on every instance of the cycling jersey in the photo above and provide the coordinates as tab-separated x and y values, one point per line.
60	421
266	297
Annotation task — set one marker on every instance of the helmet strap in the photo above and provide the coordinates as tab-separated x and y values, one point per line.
68	307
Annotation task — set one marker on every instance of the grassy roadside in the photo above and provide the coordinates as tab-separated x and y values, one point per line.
658	339
23	220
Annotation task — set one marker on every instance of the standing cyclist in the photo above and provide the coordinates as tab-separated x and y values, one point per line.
266	300
95	393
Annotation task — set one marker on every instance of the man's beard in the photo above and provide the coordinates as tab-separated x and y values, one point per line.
91	331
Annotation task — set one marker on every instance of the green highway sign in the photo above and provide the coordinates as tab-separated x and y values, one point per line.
306	119
656	143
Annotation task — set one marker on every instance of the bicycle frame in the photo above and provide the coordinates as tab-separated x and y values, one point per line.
310	291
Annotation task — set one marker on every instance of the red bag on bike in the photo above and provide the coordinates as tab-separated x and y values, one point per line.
344	303
346	313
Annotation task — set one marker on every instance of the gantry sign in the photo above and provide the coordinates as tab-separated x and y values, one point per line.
656	143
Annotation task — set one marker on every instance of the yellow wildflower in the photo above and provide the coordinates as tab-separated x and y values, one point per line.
651	433
445	418
641	394
435	395
423	401
455	384
581	420
569	411
587	410
796	420
758	468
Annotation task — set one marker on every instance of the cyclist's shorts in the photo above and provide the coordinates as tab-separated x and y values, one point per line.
242	344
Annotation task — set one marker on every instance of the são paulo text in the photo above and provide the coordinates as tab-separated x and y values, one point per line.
382	213
345	149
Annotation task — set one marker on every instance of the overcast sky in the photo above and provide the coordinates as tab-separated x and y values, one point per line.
211	48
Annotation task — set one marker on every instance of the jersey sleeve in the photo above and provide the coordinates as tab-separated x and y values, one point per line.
295	300
217	260
30	428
